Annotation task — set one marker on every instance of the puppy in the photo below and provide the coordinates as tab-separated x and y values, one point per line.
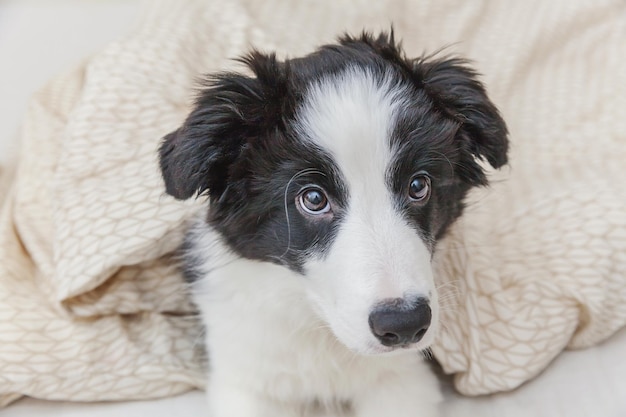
330	178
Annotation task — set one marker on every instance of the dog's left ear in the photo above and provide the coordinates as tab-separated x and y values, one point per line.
456	91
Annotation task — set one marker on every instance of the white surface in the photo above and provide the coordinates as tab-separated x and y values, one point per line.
40	38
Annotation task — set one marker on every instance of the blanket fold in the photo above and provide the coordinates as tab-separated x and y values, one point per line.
92	306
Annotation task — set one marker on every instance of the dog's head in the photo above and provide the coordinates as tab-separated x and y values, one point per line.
345	166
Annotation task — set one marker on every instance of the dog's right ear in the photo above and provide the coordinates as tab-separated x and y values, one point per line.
230	112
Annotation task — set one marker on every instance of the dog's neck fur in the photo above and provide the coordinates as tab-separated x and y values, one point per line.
276	336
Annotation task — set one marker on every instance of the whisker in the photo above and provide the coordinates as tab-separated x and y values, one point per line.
427	354
298	174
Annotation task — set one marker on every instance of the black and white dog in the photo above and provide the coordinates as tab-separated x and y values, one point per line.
330	179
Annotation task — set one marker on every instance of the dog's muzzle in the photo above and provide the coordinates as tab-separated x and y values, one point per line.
400	322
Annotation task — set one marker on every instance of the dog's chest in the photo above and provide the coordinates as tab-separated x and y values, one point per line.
260	327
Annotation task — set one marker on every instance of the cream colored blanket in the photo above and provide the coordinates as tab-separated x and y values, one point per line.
91	306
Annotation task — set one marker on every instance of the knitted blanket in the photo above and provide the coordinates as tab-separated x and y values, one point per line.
92	306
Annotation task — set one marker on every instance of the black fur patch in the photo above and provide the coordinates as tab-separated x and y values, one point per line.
257	214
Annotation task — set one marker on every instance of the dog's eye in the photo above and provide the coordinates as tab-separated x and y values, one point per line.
314	201
419	188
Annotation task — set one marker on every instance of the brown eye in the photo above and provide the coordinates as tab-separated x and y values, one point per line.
314	201
419	188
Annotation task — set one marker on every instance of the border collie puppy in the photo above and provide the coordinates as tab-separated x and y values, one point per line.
330	178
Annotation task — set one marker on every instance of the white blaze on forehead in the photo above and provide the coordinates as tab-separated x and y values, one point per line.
351	115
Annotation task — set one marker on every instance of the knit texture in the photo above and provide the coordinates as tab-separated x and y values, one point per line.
92	306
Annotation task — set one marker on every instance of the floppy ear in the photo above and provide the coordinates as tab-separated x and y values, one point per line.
455	90
231	111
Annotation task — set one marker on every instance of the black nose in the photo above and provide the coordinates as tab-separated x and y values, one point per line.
400	322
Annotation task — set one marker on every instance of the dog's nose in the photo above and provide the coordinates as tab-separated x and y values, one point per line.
398	322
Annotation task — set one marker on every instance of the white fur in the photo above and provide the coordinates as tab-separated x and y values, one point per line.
279	342
377	254
272	356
